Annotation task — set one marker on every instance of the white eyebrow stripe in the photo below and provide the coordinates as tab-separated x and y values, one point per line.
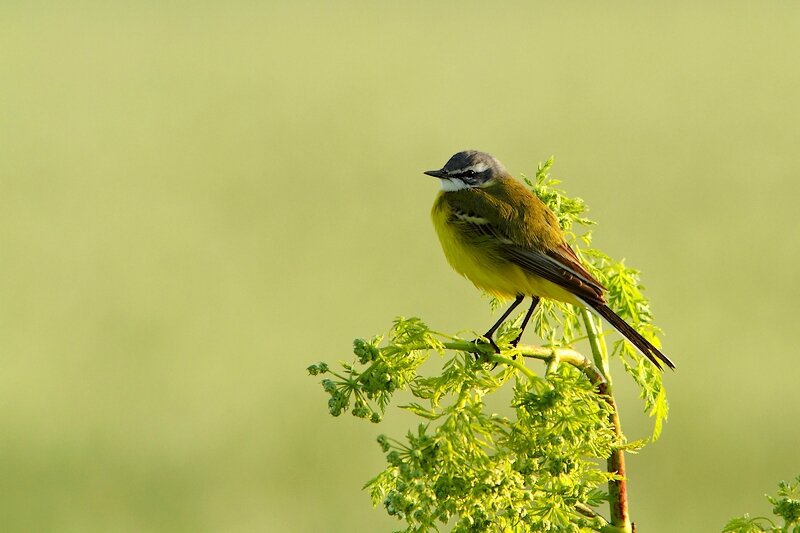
477	167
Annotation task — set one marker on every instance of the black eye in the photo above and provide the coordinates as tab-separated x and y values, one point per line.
469	173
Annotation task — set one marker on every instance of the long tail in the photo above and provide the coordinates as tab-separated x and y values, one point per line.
643	345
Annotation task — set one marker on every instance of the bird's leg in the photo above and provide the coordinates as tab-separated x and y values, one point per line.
531	309
488	334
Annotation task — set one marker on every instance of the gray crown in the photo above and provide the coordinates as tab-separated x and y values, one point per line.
472	167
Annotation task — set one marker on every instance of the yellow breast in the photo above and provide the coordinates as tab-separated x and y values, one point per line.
483	265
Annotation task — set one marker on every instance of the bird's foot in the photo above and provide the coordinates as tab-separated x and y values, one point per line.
514	344
482	356
486	340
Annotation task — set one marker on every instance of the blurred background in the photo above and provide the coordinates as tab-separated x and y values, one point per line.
199	200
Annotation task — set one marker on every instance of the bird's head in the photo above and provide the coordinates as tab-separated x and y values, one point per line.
469	168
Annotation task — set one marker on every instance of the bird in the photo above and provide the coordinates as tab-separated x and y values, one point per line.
499	235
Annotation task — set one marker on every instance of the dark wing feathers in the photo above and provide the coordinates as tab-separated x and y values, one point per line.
532	239
553	269
568	255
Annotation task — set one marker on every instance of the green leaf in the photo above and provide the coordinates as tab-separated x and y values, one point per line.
745	524
419	410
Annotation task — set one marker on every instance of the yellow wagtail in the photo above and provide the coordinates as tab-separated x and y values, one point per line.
503	238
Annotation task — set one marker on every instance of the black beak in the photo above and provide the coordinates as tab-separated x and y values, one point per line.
436	173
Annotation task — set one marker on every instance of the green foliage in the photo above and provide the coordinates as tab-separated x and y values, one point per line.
482	470
785	505
536	468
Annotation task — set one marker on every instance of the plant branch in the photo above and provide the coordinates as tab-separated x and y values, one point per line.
542	353
617	488
599	352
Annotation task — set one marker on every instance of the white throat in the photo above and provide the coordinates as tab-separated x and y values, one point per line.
453	184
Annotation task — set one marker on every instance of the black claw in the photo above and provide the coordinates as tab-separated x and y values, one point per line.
489	341
514	345
485	340
494	345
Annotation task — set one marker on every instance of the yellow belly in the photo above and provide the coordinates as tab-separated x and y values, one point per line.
483	267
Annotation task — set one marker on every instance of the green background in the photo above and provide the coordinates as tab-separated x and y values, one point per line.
200	200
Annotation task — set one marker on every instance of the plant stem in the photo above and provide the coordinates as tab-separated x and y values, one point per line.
543	353
599	352
510	362
617	488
